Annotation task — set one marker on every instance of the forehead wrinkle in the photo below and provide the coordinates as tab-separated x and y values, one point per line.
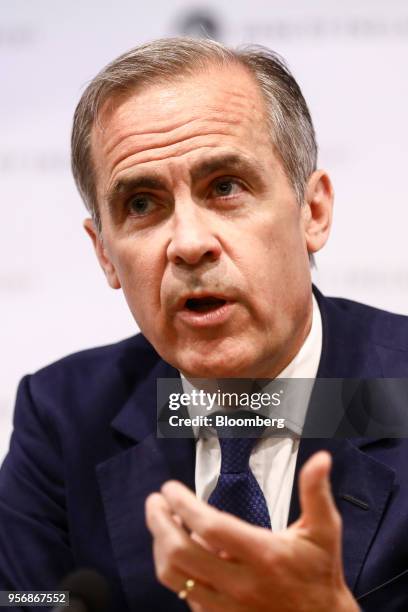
165	158
127	148
158	153
171	134
134	132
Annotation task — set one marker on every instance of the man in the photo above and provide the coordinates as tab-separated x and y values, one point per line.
198	165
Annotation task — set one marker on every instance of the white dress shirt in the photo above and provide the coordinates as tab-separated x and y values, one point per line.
273	459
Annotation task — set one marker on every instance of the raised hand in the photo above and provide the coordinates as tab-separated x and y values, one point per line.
238	567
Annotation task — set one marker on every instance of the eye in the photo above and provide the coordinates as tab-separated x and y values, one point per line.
226	186
141	204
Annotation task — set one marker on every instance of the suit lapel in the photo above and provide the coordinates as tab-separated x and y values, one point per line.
361	485
126	479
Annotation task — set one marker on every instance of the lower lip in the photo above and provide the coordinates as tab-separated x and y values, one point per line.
211	318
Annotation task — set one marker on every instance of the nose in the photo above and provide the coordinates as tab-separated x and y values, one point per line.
193	240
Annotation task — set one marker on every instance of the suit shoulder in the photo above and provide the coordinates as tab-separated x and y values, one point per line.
96	372
383	328
110	354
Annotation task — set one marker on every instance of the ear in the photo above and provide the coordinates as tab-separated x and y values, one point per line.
100	250
318	210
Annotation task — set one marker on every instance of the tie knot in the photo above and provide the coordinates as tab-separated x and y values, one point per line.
235	453
237	441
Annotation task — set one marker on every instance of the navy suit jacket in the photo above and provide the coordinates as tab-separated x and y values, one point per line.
84	455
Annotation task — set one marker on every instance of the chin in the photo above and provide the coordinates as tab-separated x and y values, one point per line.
212	366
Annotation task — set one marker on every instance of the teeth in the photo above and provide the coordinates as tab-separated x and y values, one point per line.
204	304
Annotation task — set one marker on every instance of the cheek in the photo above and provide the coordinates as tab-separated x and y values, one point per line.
276	259
140	274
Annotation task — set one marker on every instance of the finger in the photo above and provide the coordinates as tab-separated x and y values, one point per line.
175	550
156	506
164	525
200	596
169	576
222	531
319	512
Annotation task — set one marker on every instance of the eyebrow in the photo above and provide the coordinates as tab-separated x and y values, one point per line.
232	161
126	185
201	170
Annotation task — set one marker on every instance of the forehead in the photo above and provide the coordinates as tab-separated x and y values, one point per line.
208	88
218	106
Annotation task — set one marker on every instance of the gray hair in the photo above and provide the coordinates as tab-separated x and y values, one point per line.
290	124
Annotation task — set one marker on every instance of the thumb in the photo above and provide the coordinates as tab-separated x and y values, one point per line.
319	513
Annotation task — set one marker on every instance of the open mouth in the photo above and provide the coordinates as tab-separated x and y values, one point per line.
204	304
204	311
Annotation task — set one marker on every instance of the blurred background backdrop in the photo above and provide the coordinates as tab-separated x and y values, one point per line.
349	57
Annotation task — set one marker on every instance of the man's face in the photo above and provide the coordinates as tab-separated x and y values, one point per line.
200	226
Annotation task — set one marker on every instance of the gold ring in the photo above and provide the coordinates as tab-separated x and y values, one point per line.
188	586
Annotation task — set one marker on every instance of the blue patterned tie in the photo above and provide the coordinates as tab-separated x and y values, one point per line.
237	490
